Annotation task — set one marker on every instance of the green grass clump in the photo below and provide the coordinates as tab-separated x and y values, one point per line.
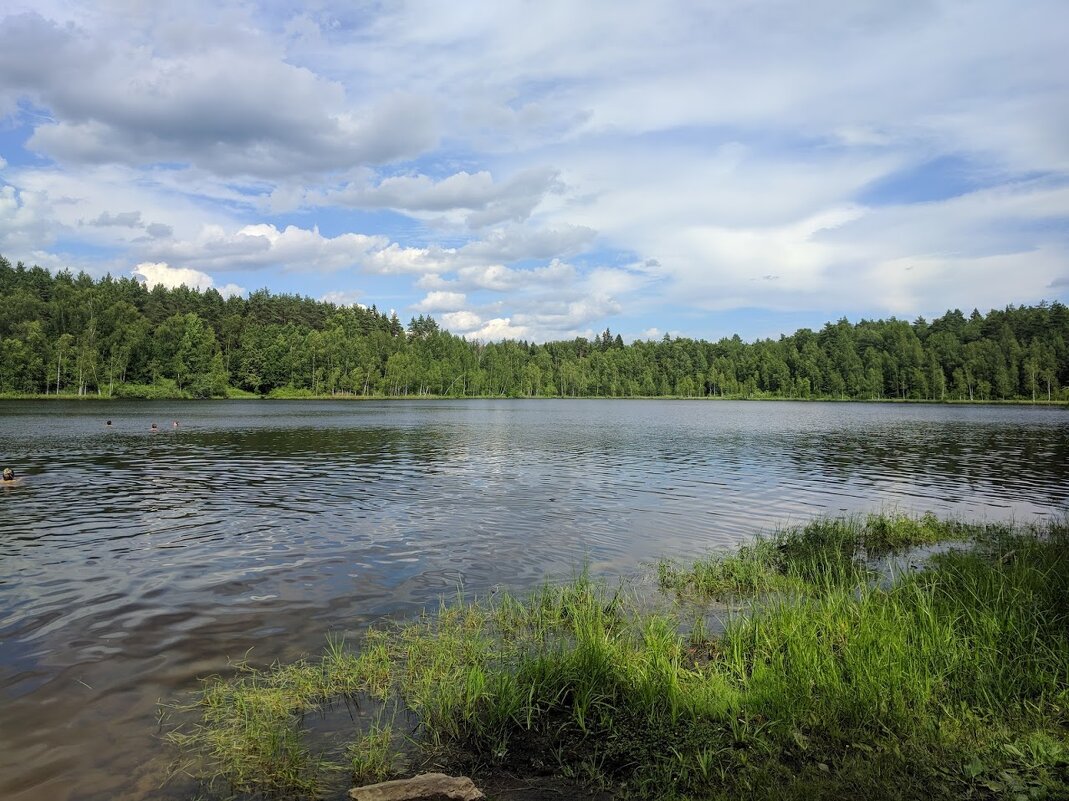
291	393
823	552
372	757
950	682
237	393
250	736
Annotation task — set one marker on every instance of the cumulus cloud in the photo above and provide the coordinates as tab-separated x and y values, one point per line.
234	107
293	248
499	328
513	243
500	278
562	317
829	259
343	298
262	245
394	259
553	302
461	322
486	201
441	301
161	274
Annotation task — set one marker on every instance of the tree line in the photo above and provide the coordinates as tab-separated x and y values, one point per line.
70	334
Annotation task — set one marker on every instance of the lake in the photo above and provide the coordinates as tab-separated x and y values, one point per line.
131	562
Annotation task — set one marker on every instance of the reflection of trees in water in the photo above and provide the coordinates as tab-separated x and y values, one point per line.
1021	462
339	445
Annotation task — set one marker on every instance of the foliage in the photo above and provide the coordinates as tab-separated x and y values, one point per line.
164	389
949	682
67	333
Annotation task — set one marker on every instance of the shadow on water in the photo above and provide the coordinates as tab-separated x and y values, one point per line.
132	563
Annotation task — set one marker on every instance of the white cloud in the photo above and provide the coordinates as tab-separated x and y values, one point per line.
477	199
160	274
490	276
514	243
499	278
343	298
904	285
562	317
260	246
499	328
433	281
133	208
26	223
441	301
233	107
553	302
394	259
461	322
263	245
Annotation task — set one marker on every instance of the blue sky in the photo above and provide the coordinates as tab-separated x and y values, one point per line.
543	171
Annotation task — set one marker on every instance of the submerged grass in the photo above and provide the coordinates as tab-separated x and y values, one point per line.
805	558
951	682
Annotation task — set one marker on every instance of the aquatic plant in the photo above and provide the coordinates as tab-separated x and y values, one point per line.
806	558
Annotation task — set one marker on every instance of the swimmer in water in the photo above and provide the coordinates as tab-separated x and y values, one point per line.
154	428
9	476
174	424
108	424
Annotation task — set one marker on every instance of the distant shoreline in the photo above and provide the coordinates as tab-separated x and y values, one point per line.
241	395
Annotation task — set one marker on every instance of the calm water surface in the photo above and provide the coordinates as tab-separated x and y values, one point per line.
131	563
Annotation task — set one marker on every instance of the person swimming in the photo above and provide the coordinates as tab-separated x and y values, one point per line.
108	424
174	424
9	474
154	428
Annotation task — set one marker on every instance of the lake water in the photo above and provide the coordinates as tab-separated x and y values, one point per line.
131	562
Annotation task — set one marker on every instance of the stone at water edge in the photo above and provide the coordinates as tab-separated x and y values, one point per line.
424	787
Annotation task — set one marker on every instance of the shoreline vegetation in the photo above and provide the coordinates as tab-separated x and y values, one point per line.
818	662
64	334
148	392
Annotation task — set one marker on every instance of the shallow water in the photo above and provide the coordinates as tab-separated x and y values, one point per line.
131	563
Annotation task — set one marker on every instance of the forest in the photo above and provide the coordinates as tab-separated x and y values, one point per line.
67	334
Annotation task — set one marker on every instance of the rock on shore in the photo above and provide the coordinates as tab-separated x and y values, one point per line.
424	787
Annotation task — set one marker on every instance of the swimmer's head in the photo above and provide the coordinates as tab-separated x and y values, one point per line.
9	474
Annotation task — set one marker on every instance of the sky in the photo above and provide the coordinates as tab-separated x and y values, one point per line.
545	170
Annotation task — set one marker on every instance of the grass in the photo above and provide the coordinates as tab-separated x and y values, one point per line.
800	559
236	393
949	682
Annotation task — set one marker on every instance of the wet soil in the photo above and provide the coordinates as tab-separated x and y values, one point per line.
515	788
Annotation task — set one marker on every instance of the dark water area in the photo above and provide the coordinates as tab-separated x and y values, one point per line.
132	563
